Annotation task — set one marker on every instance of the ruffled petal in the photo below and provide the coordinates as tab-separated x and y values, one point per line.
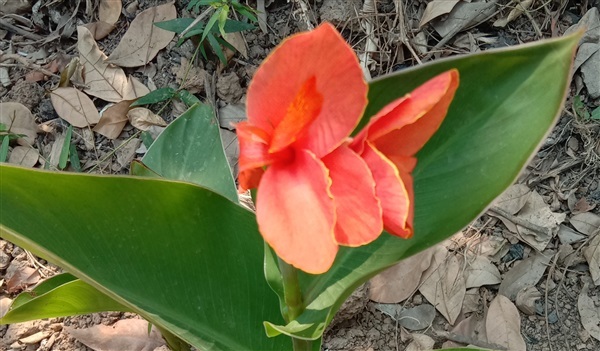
324	55
254	146
303	110
405	166
405	125
391	191
296	213
358	211
249	179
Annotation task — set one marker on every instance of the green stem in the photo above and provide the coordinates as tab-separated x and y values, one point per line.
293	300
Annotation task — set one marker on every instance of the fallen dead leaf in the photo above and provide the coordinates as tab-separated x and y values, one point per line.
143	119
586	223
126	153
517	11
113	119
526	300
592	255
143	40
471	301
400	281
464	15
503	325
538	213
513	199
126	334
25	156
443	284
589	312
437	8
56	150
421	342
472	327
588	53
582	205
5	303
74	107
490	246
481	271
524	274
35	338
19	120
99	30
417	318
567	235
237	41
102	80
109	11
19	276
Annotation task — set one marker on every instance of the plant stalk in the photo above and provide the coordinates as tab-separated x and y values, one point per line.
293	301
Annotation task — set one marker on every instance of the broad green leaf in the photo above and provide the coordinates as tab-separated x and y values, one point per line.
59	296
506	103
155	96
214	44
596	113
211	23
185	258
190	149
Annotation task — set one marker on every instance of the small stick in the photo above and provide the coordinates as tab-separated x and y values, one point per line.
26	63
4	24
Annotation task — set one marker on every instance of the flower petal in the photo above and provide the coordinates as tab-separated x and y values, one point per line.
405	125
303	110
296	213
358	211
405	166
391	191
324	55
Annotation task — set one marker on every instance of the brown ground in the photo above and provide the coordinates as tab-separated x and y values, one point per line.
564	169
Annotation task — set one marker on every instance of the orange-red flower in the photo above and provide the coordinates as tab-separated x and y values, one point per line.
317	188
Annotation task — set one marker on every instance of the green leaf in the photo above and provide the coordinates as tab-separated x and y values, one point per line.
185	258
232	26
64	152
223	19
214	44
190	149
188	98
178	25
4	149
506	103
580	109
245	11
155	96
211	23
596	113
74	158
60	296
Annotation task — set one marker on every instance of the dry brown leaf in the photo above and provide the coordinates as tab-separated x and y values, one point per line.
524	274
421	342
100	30
443	284
471	302
586	223
113	120
237	41
513	199
109	11
566	235
491	246
437	8
464	15
592	255
19	120
589	312
526	300
143	40
503	325
74	107
126	334
5	303
19	276
481	271
517	11
103	80
582	205
143	119
472	327
25	156
400	281
538	213
417	318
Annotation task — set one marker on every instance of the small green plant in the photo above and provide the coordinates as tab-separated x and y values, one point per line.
6	136
214	31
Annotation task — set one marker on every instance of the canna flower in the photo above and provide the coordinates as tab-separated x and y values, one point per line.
317	187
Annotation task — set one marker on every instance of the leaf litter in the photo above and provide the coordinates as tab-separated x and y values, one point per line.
482	248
